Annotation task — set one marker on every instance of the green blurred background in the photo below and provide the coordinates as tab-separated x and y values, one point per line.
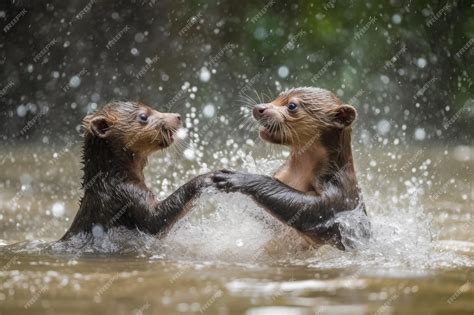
406	65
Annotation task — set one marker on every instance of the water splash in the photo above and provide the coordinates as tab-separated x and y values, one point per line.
232	228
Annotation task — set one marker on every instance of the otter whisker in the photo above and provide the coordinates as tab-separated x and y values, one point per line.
249	123
251	101
258	96
248	100
293	133
266	96
244	122
177	148
284	131
246	104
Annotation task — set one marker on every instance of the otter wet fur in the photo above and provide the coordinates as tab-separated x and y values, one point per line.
317	184
118	140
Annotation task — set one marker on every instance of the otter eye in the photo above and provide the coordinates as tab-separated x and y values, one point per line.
292	107
143	118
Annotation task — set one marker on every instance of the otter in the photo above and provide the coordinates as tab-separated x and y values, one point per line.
118	141
317	186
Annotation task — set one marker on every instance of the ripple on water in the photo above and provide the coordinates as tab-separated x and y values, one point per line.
231	228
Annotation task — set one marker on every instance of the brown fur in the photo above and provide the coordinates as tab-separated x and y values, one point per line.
318	133
317	187
116	147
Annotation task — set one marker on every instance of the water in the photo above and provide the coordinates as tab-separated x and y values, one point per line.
230	257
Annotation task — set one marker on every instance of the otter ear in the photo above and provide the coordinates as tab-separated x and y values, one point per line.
344	116
98	126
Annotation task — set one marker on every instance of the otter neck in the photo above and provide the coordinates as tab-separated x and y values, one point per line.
308	168
104	159
338	144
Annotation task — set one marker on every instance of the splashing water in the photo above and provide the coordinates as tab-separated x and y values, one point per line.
238	230
232	228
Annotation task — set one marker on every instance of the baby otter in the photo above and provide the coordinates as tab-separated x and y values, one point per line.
118	140
317	186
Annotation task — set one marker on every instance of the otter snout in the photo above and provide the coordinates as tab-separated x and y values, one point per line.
172	121
259	111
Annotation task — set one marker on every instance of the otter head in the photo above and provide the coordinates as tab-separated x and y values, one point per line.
132	126
299	117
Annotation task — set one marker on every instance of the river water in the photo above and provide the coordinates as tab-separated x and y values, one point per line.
228	256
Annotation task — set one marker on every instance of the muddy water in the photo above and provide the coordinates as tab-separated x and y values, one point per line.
229	257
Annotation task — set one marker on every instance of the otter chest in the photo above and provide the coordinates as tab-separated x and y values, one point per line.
298	179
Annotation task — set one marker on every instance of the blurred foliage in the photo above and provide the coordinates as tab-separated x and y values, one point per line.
344	46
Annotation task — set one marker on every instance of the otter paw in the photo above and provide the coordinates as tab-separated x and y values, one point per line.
206	180
228	181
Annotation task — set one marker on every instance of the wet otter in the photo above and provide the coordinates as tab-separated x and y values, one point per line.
317	186
118	140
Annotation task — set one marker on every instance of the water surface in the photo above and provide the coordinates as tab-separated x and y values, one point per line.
230	257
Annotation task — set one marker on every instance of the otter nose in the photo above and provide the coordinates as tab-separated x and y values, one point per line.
178	117
258	110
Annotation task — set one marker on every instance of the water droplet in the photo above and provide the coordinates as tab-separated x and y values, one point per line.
139	37
97	231
396	18
58	209
204	75
260	33
421	62
383	127
385	79
189	154
75	81
209	110
182	133
420	134
283	71
21	111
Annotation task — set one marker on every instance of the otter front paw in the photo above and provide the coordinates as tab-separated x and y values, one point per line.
205	180
230	181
